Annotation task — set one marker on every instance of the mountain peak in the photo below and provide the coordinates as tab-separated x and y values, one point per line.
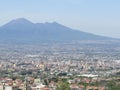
24	30
19	21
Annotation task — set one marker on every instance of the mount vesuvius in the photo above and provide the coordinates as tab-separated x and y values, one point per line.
23	30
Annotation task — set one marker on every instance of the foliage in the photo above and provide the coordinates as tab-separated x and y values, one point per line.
113	86
63	86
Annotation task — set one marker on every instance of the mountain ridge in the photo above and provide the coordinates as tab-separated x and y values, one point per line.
24	30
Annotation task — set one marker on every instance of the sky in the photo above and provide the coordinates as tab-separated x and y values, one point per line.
101	17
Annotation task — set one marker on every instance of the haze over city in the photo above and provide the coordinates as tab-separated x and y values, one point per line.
101	17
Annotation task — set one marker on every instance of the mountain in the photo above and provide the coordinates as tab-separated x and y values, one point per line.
26	31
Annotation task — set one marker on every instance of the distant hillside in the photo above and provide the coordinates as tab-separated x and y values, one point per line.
26	31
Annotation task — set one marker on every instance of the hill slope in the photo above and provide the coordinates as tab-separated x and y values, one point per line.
26	31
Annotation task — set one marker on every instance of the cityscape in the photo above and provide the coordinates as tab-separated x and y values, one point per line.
59	45
51	66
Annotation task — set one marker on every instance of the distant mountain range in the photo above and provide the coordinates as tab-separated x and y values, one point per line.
26	31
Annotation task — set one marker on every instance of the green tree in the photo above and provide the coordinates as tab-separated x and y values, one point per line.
63	86
113	86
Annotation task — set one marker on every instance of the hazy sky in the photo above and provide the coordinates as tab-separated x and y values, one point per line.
96	16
